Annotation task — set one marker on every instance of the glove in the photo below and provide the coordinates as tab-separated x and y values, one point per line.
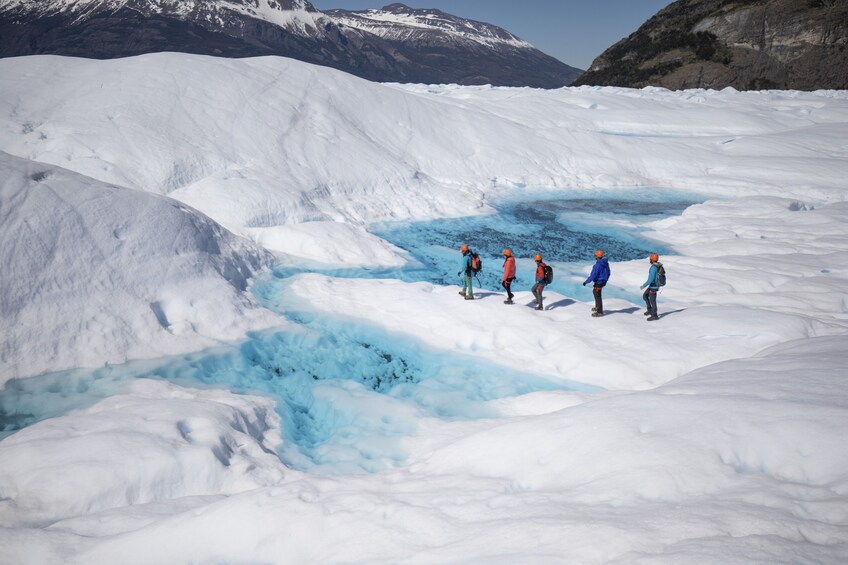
458	273
641	287
584	284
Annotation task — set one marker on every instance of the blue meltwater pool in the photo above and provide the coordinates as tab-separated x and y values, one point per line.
348	392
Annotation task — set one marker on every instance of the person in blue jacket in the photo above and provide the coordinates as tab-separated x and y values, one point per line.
465	274
600	275
652	285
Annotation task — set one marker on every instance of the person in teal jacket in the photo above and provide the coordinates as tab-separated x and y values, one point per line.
652	285
465	274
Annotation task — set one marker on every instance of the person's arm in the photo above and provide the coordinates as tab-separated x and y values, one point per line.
593	276
652	277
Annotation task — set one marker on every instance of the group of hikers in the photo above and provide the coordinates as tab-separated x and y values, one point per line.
598	277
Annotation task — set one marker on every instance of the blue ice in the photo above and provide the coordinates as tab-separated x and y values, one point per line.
386	382
347	392
564	230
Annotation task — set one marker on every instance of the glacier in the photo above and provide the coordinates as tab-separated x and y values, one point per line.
230	334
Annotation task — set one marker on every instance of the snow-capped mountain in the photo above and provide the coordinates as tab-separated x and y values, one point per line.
297	16
398	22
394	44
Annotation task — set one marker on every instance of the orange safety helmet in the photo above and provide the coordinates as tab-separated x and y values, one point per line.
463	248
654	257
507	252
537	257
599	253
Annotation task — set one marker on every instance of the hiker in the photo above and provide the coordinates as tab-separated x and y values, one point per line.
465	274
652	285
600	275
540	281
508	274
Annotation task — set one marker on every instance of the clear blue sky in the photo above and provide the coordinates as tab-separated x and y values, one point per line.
573	31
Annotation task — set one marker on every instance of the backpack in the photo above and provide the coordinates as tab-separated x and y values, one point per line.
660	274
476	263
549	274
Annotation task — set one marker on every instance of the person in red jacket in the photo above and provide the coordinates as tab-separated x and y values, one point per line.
508	274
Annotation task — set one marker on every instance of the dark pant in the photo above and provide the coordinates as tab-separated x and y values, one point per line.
507	284
650	298
537	292
599	301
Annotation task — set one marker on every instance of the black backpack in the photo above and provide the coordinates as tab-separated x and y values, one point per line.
549	274
660	274
476	263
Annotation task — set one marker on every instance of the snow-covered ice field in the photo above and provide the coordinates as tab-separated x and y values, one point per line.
230	330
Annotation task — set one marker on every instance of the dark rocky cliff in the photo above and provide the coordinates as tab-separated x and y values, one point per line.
746	44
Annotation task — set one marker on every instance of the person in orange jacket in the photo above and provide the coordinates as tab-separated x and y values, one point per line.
508	274
539	286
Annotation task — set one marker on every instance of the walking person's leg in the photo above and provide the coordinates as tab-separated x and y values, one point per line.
599	301
507	284
537	292
652	304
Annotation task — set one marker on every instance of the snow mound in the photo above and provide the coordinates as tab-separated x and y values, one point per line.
158	442
96	274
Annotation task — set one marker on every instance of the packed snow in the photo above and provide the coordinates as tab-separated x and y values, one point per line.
210	354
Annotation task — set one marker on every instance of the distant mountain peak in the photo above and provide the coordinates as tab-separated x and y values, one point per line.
393	44
399	21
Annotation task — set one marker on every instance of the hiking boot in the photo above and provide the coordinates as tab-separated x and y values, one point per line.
508	301
469	298
652	318
461	293
597	314
647	313
539	308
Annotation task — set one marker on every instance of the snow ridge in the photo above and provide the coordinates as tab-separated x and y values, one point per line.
174	279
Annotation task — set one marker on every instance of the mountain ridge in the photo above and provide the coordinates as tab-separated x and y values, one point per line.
394	44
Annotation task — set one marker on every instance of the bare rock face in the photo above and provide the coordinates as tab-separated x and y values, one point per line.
745	44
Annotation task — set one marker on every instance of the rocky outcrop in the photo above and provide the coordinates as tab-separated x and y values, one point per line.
746	44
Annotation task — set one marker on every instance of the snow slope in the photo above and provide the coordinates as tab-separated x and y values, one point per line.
743	462
265	142
95	273
720	436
